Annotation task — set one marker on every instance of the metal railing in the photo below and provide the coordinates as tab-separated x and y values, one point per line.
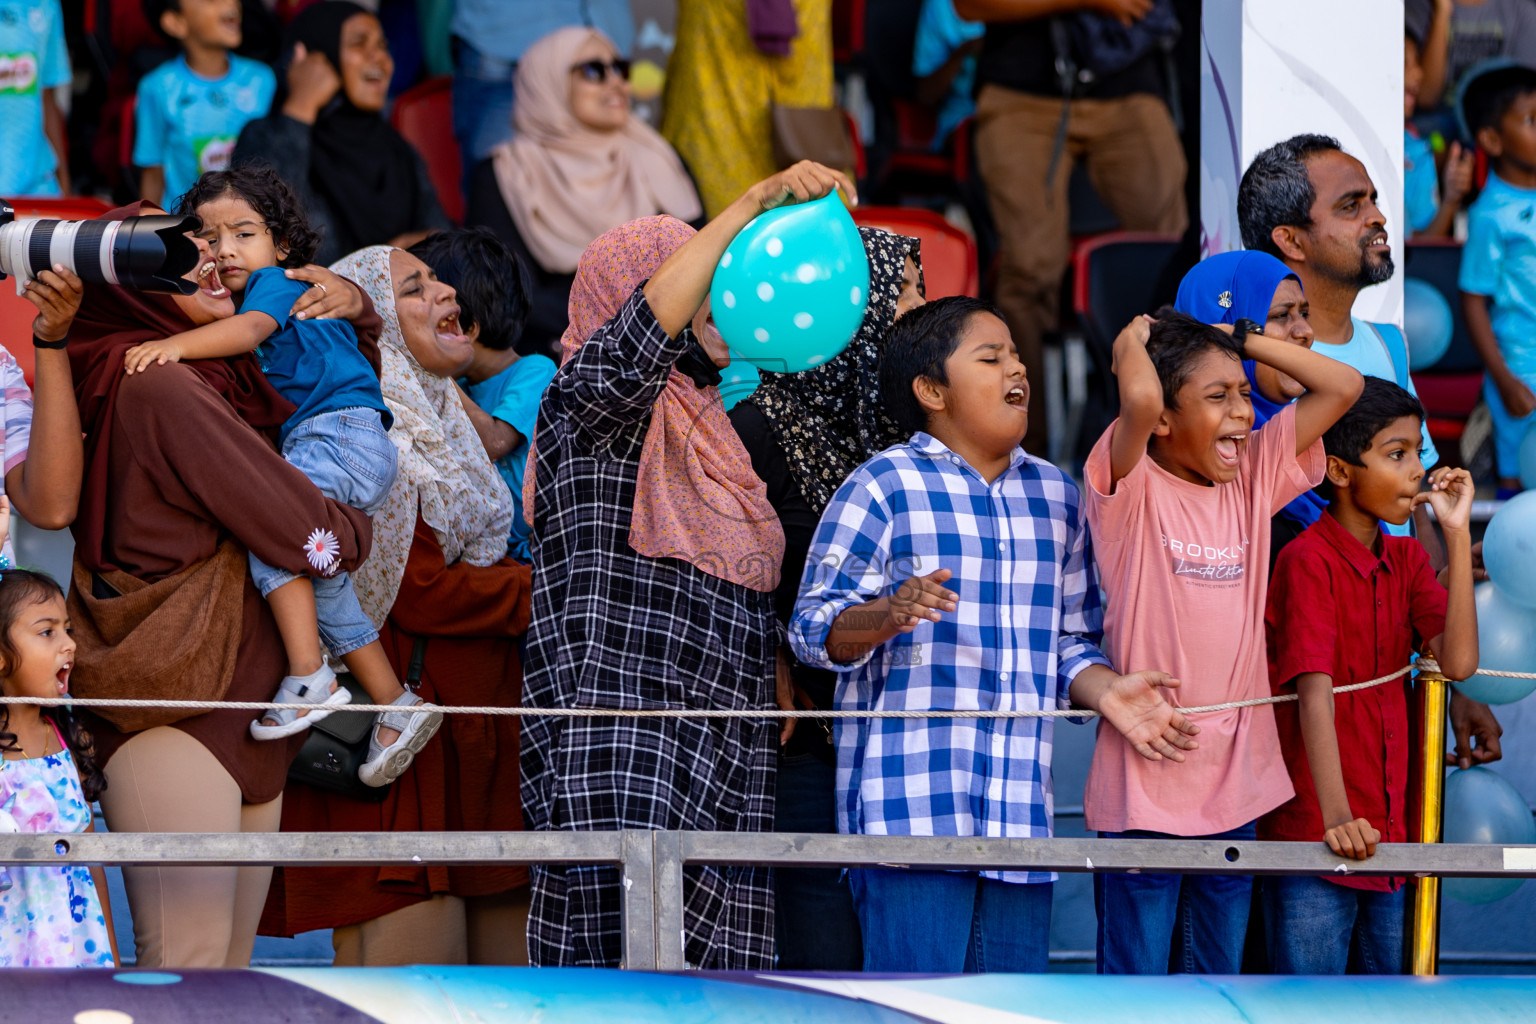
652	862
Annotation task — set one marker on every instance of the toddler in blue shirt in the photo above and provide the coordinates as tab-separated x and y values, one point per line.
338	437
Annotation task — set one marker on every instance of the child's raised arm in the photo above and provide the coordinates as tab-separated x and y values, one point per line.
1332	386
1450	495
1345	834
1141	399
231	336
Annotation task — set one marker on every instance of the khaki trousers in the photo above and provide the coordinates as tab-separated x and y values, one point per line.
163	780
441	930
1133	156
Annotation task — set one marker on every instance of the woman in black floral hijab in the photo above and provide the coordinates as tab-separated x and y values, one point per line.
805	433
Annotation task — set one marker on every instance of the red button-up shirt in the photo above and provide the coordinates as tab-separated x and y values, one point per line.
1337	608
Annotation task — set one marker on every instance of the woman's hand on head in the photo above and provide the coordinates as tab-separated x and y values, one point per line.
56	293
312	82
330	297
799	184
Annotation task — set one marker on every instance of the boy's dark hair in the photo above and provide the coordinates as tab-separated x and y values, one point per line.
1380	403
918	346
270	196
1488	97
1276	190
1176	342
491	281
19	590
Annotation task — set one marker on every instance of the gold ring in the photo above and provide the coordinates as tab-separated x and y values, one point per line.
321	287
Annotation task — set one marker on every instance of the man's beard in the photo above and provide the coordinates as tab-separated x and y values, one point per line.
1374	271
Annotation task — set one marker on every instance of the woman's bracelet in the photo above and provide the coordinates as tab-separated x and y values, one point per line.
40	343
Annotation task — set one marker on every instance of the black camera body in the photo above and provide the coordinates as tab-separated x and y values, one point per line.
146	253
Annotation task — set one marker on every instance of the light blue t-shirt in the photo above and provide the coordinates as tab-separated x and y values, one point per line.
505	28
32	58
1421	184
1499	261
513	396
186	124
940	32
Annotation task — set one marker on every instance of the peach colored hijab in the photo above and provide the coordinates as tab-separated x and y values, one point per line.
565	183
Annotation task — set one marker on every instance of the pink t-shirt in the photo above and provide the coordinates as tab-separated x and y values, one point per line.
1185	570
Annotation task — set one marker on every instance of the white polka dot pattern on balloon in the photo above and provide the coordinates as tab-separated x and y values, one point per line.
803	320
765	291
725	261
815	360
729	298
856	295
805	273
761	334
775	247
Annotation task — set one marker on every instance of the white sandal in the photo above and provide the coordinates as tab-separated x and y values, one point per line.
312	693
386	764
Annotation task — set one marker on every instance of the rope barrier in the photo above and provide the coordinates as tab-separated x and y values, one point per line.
1423	665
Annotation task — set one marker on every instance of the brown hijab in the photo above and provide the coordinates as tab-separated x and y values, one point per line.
110	322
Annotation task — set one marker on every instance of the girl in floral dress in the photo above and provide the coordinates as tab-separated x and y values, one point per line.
57	915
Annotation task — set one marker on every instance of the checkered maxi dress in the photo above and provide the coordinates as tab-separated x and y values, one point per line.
615	629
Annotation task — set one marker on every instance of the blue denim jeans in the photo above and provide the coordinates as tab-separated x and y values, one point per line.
346	453
816	928
1316	927
946	922
482	103
1172	924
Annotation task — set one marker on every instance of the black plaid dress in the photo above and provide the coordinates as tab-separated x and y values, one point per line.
615	629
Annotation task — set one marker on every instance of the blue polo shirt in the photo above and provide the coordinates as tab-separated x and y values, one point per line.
940	32
315	364
32	58
186	124
1499	261
512	396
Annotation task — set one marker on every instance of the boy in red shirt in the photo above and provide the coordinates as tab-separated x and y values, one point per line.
1348	603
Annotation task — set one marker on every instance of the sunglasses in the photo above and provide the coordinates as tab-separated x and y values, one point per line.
597	70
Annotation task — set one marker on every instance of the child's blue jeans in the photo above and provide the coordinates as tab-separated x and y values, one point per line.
946	922
1172	924
1313	926
346	453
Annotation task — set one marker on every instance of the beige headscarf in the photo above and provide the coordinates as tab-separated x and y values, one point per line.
565	183
444	474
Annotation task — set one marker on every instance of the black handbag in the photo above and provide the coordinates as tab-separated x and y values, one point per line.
337	745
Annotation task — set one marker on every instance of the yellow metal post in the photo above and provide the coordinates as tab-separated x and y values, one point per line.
1425	949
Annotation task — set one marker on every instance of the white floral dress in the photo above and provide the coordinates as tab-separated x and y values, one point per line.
51	916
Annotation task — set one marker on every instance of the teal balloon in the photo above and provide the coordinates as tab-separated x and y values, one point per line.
737	381
1427	323
1506	642
1482	807
791	289
1509	549
1528	458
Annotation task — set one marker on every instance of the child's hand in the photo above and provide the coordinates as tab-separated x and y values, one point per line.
1155	728
1456	176
1450	495
920	599
333	297
56	293
5	518
1355	839
141	357
1516	395
1134	333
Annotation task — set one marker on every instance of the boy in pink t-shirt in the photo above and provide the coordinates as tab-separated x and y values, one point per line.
1180	490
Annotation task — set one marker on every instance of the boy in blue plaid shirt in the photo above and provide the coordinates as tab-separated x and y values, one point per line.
954	572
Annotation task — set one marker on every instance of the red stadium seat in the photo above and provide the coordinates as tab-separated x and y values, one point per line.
16	313
847	30
424	115
949	254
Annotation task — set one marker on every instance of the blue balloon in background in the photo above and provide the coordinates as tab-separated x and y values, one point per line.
1506	642
737	381
1509	549
791	289
1528	458
1427	323
1482	807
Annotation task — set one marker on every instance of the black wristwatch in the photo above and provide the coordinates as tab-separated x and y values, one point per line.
40	343
1240	331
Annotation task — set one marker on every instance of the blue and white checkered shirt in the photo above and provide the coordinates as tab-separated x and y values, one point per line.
1028	621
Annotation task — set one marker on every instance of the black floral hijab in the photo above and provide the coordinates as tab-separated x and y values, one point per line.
831	419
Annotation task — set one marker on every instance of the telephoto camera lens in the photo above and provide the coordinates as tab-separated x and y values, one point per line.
146	253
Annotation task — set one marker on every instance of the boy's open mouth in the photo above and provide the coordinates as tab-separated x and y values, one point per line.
208	281
1228	447
1015	396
